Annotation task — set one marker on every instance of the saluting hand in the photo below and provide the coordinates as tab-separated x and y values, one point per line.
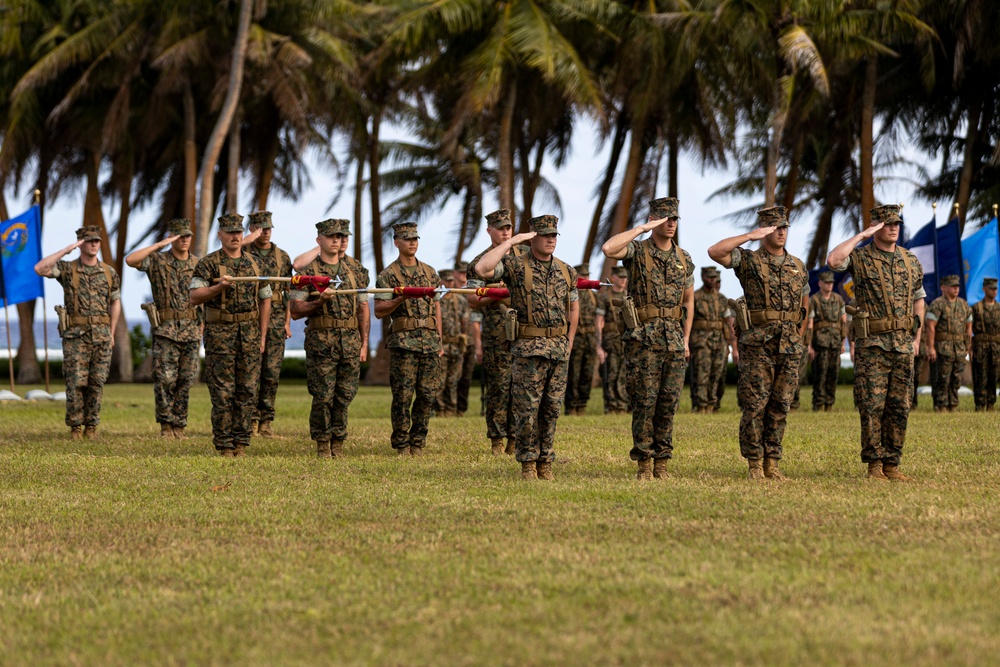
760	232
871	230
165	242
251	237
521	238
650	225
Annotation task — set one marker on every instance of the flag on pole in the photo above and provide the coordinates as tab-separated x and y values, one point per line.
924	244
981	259
949	253
20	250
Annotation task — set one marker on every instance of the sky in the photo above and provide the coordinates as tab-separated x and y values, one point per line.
701	225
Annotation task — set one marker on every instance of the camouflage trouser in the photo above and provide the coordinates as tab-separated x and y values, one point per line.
826	369
708	371
882	385
332	374
985	362
175	368
613	376
949	379
85	367
655	382
451	373
580	378
465	381
803	366
414	378
270	372
232	380
497	367
918	366
767	384
539	387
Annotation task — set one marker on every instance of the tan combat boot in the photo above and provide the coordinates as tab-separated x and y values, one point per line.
264	429
496	446
892	472
323	449
528	470
875	471
511	448
754	469
336	448
771	469
403	451
90	432
179	433
253	427
76	433
645	470
240	450
416	450
544	469
660	468
227	452
166	431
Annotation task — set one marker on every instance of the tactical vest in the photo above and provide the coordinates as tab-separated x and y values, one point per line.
325	319
222	314
529	330
410	322
88	320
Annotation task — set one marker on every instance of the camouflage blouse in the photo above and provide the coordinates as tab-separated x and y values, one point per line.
788	285
492	315
170	280
455	321
550	296
664	288
824	318
341	307
242	297
864	264
588	312
711	307
422	339
951	319
93	296
275	262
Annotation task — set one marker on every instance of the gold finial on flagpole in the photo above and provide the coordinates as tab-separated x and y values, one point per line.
934	206
994	210
956	208
38	197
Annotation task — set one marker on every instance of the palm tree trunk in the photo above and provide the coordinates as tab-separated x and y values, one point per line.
791	185
92	213
121	234
609	176
190	156
28	370
773	153
463	229
868	141
505	149
221	129
968	162
529	185
233	167
266	175
673	160
373	186
633	167
359	190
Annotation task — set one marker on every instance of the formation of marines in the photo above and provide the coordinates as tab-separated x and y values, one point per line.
539	342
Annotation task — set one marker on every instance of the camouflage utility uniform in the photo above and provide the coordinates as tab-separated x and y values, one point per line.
951	345
469	357
583	356
88	292
613	375
986	352
708	349
455	340
232	345
274	262
825	317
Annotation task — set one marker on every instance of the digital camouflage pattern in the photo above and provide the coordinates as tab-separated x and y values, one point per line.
455	312
951	319
583	356
985	353
540	388
496	355
827	342
86	347
788	283
425	340
232	349
175	370
613	374
709	348
275	262
671	276
333	363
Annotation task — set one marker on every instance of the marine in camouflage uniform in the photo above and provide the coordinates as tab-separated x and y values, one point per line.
986	346
177	337
711	335
827	324
413	341
91	290
469	357
336	338
888	289
544	295
611	348
949	330
236	317
494	346
272	261
454	340
661	289
583	356
776	289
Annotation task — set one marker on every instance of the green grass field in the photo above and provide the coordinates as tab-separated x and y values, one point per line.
130	550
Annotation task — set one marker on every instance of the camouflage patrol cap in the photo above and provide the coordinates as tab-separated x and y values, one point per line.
89	233
461	267
775	216
446	274
620	271
887	214
582	269
989	283
544	224
334	227
826	276
231	222
664	207
261	219
950	281
499	219
405	230
179	227
709	272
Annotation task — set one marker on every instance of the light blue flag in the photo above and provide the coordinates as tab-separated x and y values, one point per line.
981	259
20	250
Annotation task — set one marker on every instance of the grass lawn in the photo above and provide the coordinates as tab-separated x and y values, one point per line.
130	550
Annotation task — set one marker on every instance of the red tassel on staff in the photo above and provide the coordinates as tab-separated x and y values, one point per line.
414	292
583	283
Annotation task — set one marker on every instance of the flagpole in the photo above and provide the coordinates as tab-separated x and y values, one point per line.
45	309
6	320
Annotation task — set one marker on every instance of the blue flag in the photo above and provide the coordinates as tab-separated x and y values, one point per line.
20	250
924	244
981	255
949	253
